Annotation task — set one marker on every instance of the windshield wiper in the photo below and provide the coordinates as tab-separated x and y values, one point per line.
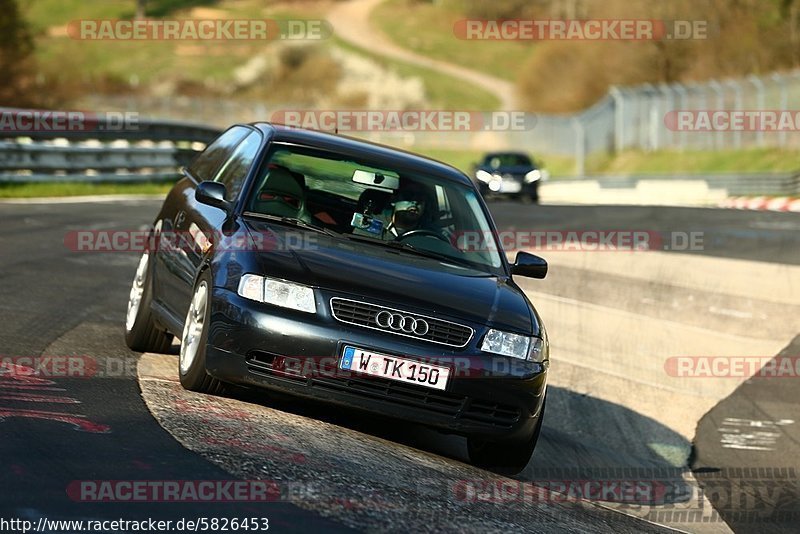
434	255
293	221
406	247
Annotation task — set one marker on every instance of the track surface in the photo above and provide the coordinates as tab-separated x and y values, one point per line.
58	302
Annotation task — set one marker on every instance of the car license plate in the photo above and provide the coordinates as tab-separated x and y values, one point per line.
510	186
394	368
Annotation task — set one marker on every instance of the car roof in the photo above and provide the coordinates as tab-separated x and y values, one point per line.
359	148
506	153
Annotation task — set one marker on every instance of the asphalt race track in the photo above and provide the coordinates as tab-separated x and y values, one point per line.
611	415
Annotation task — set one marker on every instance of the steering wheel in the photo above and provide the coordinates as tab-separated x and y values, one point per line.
421	232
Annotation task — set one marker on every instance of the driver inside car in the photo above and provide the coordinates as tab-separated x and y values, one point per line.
390	216
408	212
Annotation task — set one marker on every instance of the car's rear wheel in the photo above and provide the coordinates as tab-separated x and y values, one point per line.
194	341
507	457
142	334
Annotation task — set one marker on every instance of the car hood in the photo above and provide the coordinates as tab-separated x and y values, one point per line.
393	278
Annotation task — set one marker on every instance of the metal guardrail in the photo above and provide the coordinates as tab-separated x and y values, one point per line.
99	150
154	150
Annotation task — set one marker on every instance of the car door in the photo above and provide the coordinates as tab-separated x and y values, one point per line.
174	268
203	224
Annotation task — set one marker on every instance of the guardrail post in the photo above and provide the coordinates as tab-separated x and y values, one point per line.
759	85
616	94
681	90
719	137
668	106
784	104
580	147
737	134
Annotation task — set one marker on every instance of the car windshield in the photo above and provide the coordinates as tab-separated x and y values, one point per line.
366	201
507	160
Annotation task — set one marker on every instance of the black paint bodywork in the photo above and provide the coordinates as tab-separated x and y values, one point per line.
250	342
529	191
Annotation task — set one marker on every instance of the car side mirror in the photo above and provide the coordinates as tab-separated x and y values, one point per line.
529	265
212	194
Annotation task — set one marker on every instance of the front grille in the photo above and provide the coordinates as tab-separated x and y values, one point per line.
456	406
459	407
364	314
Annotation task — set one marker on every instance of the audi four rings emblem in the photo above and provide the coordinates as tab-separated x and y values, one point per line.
402	323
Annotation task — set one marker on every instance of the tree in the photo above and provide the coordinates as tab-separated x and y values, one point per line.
16	56
140	9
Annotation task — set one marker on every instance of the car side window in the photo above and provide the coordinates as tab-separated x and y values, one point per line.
205	166
235	169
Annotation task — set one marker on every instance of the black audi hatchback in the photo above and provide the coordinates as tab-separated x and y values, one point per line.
349	272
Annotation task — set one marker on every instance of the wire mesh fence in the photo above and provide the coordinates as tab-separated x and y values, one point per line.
752	112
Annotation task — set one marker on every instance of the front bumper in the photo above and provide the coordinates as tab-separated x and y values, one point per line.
256	344
526	189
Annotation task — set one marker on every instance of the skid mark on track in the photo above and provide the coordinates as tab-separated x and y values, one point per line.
18	384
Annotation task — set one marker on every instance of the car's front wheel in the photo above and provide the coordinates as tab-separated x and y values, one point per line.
507	457
142	334
194	340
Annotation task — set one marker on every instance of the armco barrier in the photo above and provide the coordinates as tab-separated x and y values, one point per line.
101	150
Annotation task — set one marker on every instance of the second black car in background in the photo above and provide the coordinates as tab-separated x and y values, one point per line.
509	174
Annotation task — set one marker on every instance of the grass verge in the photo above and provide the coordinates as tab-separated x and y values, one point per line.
636	162
428	29
71	189
443	91
666	161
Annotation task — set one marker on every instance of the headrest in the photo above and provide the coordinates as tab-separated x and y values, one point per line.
282	181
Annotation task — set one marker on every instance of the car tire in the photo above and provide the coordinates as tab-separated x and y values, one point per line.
194	341
507	457
142	334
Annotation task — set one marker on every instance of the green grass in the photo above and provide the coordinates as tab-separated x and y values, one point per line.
464	159
443	91
635	162
155	61
71	189
158	62
754	160
427	29
43	14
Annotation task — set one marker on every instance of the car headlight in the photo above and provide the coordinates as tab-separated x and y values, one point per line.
514	345
533	176
277	292
483	176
